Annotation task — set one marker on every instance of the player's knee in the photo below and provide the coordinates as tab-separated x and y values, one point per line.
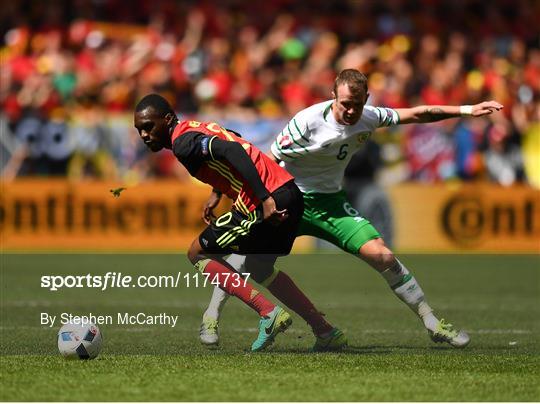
377	254
386	259
260	269
238	262
195	251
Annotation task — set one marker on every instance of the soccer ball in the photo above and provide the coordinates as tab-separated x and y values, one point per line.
79	341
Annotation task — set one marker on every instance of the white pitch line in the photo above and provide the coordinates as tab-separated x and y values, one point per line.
296	331
393	331
488	331
481	331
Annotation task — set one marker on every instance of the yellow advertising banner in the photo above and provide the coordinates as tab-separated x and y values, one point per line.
56	214
466	217
166	215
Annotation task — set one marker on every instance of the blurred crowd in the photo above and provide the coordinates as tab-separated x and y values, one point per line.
72	71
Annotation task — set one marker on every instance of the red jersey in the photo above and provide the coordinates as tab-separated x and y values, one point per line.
192	145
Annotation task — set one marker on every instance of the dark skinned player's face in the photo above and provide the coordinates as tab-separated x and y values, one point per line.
153	129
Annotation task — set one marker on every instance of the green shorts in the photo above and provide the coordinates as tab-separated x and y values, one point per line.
332	218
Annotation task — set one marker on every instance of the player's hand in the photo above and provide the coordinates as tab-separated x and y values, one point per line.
271	214
208	207
486	108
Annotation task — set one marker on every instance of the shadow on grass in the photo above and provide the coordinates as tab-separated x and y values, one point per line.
389	349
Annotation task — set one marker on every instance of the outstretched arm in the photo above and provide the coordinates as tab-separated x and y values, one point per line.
433	113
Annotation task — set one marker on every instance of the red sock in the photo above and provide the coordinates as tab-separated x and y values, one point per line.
286	291
228	281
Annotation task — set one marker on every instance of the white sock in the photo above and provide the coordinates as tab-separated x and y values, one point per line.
407	289
219	296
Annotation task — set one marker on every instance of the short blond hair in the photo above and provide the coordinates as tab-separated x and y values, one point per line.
356	81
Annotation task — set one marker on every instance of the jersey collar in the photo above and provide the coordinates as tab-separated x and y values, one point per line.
177	131
326	111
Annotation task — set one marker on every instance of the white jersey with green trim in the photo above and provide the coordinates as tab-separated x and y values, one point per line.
316	149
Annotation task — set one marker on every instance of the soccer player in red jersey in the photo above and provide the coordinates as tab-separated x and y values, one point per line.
262	223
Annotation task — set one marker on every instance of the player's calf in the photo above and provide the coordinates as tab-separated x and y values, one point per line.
407	289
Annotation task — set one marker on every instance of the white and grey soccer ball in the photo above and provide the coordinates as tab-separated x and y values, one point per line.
79	341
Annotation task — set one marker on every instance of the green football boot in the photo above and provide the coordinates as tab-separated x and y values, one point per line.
335	341
445	332
278	320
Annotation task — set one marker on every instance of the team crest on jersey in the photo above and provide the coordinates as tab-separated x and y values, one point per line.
285	141
362	137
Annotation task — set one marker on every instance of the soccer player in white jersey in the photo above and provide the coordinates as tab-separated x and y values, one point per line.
315	147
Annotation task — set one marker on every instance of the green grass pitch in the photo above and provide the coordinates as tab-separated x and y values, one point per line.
390	358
